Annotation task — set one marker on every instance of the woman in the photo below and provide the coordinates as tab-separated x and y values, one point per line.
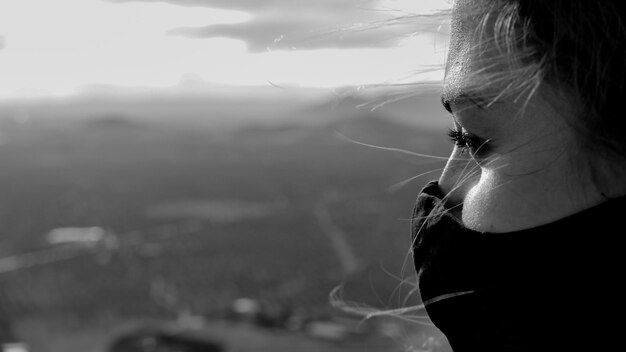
518	245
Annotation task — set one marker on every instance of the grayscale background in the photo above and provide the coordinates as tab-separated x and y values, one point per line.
200	175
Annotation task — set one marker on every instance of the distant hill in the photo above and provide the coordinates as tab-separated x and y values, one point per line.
220	112
422	110
112	121
349	127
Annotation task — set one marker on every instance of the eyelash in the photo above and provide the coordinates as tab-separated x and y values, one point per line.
464	140
468	142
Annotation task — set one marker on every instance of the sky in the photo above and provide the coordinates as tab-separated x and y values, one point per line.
63	48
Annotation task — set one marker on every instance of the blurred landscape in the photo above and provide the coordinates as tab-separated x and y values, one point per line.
232	219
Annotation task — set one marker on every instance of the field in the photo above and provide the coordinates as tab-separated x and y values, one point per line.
195	219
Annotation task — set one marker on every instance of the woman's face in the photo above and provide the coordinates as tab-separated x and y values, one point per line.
514	165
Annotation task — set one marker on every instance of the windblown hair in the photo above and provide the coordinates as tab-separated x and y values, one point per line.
577	48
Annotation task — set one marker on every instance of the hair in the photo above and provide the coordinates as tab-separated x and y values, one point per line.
573	50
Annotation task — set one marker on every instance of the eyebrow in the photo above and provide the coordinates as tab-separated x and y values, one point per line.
463	96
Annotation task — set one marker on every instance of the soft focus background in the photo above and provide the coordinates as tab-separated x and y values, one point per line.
200	175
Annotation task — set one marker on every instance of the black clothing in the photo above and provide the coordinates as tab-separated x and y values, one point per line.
555	287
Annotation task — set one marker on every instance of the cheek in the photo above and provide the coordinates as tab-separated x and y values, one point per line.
459	176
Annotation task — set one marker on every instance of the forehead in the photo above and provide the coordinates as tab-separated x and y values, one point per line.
463	60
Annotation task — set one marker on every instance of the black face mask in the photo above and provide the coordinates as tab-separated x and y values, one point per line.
444	250
485	290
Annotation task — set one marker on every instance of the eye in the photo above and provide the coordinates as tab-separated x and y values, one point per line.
467	142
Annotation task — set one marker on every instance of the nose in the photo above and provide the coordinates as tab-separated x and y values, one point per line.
459	176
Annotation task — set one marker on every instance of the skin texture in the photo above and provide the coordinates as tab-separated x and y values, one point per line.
531	173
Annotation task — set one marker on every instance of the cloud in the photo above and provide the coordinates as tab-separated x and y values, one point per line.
296	33
309	24
262	5
2	42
